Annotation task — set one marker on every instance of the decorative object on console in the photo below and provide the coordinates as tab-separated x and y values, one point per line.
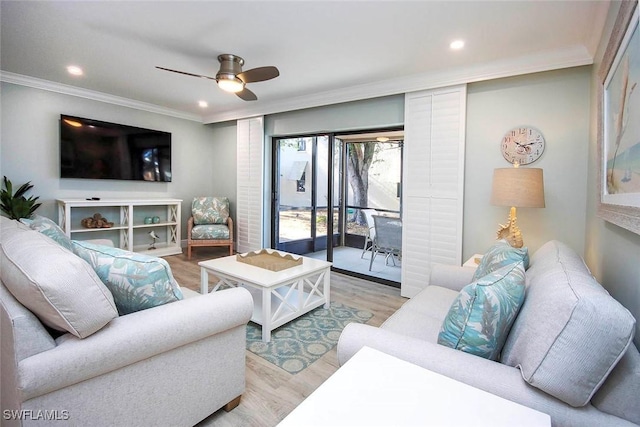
148	220
16	205
516	187
522	145
154	237
155	220
96	221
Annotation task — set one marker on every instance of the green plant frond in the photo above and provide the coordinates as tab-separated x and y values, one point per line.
23	189
17	206
8	186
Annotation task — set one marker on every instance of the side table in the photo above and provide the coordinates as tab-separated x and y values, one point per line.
473	261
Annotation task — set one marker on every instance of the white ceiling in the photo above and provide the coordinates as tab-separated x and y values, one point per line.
326	51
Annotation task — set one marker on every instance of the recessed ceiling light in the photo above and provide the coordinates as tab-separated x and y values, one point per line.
382	139
457	44
203	104
74	70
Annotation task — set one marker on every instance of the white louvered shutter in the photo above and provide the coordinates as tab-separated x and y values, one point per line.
250	175
433	183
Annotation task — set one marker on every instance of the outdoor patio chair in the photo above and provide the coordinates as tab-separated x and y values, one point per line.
388	238
371	231
209	224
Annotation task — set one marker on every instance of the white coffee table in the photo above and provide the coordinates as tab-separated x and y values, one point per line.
278	296
375	389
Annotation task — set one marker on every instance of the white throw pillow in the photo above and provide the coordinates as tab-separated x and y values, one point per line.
61	289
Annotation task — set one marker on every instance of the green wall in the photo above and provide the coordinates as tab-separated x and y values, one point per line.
557	104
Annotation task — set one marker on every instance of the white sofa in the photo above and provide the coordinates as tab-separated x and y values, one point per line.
174	364
571	340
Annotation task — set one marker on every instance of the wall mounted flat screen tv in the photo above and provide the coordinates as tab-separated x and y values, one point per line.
99	150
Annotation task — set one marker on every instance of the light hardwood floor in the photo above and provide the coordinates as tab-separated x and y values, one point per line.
271	393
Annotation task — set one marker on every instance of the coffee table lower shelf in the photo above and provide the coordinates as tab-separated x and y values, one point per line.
295	305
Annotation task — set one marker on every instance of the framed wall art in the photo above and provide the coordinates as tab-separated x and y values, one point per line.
619	123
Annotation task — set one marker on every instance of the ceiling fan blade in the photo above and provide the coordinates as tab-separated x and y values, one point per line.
247	95
185	73
259	74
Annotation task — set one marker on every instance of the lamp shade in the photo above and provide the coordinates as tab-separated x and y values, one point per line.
519	187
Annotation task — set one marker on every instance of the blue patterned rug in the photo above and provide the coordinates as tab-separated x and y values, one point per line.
297	344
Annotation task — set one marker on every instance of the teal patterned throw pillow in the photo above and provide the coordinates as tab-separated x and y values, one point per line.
499	255
210	210
136	281
481	316
50	229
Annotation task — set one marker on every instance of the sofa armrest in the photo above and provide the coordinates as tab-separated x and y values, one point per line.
450	276
133	338
493	377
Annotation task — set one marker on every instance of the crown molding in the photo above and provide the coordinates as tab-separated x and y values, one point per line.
37	83
547	61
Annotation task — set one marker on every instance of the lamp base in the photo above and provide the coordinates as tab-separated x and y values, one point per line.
510	231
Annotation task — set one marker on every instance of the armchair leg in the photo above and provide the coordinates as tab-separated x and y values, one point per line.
188	252
233	404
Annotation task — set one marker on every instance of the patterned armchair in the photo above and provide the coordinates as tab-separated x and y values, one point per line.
209	224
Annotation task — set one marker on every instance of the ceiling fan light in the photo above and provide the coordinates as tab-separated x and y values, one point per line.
230	84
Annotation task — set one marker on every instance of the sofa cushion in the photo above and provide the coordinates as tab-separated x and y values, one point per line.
499	255
481	316
61	289
570	332
210	210
421	316
49	228
210	232
137	281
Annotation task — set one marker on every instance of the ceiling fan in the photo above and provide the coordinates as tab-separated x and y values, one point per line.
231	78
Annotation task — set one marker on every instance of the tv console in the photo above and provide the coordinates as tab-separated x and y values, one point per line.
129	228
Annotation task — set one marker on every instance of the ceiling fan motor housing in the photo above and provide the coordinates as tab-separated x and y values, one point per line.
230	66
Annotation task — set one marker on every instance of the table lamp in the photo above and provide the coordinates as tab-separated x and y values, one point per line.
516	187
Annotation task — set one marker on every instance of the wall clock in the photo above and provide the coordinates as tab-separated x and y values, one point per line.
522	145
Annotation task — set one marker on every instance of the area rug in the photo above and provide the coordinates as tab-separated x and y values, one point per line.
299	343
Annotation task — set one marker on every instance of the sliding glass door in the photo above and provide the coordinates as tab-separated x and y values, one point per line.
374	178
322	183
306	202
